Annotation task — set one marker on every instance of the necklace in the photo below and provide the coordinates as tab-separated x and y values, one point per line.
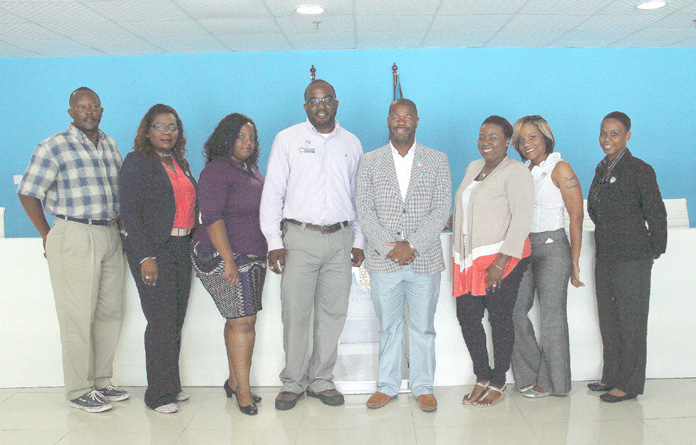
164	155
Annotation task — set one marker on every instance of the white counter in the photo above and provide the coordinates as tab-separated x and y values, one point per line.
30	344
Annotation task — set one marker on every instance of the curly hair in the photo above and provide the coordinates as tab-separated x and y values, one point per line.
221	142
142	140
543	127
501	122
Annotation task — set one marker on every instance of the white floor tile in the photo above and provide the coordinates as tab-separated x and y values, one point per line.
251	437
354	414
477	434
665	399
386	435
116	437
31	437
674	431
613	432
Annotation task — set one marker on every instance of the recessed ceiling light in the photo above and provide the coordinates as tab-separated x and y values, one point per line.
652	4
310	9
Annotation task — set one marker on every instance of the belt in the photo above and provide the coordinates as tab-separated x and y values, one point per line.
180	232
323	229
88	221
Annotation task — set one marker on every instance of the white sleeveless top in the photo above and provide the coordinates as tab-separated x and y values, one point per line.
548	201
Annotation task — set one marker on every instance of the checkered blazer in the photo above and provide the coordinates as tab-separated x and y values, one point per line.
386	217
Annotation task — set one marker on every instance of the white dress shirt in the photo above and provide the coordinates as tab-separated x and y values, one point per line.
403	165
311	178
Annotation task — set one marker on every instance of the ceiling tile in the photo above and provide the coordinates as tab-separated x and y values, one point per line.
8	17
630	7
616	22
303	23
675	21
200	9
158	28
396	6
7	50
650	38
188	43
458	23
126	46
30	31
542	23
393	22
53	11
393	39
481	7
325	40
564	6
255	41
235	26
55	47
286	8
83	32
452	39
132	10
593	39
687	43
521	37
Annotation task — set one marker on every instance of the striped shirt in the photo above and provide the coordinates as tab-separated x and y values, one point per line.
73	177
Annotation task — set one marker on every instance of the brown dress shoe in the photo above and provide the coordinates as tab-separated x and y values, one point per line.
331	397
427	402
286	400
378	400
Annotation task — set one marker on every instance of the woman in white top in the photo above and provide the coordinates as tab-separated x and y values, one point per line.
543	368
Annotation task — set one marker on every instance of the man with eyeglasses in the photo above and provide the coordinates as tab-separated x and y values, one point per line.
74	176
403	203
308	218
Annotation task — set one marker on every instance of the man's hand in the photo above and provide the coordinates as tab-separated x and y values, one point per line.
276	260
401	254
149	271
357	256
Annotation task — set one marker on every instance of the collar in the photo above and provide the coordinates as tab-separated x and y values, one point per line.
411	150
312	129
605	161
555	156
80	134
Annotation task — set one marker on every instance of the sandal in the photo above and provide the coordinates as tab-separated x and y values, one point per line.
481	403
469	399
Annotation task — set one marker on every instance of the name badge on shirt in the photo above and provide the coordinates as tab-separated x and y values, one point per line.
307	148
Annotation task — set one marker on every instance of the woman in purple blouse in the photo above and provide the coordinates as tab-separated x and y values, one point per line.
230	256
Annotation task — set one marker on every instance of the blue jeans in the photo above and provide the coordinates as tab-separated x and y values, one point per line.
420	292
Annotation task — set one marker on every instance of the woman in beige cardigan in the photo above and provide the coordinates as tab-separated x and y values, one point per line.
491	221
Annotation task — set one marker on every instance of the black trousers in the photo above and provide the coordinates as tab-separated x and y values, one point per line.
623	300
164	306
500	304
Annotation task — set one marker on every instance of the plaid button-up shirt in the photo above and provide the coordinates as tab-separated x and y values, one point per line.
73	177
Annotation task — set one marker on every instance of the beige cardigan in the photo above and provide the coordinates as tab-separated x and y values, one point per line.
500	208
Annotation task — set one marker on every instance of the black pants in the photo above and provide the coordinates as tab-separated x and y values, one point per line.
164	306
500	304
623	299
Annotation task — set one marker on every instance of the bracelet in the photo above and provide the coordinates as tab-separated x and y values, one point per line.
501	268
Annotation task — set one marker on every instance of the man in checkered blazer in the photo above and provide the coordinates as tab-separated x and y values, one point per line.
403	202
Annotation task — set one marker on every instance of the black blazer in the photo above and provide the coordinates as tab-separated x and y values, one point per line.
147	203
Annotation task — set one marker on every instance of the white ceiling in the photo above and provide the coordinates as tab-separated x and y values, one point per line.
113	27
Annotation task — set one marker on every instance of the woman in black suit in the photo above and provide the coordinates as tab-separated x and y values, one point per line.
158	208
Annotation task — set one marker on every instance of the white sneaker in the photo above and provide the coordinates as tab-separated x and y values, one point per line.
169	408
182	397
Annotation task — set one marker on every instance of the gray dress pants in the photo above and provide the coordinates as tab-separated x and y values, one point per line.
315	288
546	362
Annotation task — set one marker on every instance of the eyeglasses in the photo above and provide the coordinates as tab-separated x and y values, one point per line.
315	101
161	127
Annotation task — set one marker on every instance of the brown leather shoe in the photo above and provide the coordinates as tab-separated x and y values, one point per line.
427	402
286	400
378	400
331	397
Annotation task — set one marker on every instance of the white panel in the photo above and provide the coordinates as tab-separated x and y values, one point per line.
84	32
286	8
255	41
402	39
53	11
305	23
55	47
188	43
564	6
594	38
132	10
544	23
158	28
676	21
616	22
687	43
130	45
393	22
7	50
199	9
629	7
239	25
324	40
459	23
8	17
396	6
522	37
653	38
30	31
481	7
450	39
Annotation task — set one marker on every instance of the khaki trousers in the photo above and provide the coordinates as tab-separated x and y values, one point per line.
87	267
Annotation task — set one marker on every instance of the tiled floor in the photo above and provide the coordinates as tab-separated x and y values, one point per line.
665	414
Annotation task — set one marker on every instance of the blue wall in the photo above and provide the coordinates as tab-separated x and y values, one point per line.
454	89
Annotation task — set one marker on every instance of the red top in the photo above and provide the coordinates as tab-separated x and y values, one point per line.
184	196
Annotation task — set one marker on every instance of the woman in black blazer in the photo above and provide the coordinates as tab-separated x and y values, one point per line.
158	209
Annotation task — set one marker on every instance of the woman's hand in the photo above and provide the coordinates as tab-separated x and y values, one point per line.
148	270
231	273
575	276
495	272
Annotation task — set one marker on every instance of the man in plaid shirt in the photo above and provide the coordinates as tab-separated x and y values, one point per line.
74	176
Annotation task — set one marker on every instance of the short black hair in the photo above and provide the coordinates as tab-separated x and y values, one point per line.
501	122
319	82
78	92
403	101
621	117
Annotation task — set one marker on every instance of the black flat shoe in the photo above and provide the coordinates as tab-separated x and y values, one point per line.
231	392
599	386
611	398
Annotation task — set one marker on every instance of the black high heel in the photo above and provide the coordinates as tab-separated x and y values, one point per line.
231	392
249	410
